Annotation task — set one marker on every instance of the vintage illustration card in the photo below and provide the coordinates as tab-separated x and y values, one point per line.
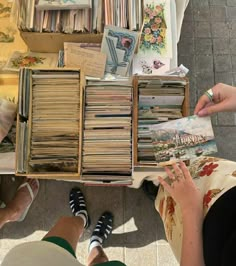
93	62
63	4
182	139
30	59
10	39
119	44
156	31
155	45
144	65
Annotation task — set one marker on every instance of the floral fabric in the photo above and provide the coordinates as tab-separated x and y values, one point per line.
214	177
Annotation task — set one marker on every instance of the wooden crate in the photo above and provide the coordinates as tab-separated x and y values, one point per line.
51	175
185	107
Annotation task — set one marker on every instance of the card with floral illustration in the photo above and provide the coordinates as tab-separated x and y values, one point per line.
156	32
30	59
183	139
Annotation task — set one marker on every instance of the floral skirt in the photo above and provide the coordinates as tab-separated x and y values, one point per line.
214	177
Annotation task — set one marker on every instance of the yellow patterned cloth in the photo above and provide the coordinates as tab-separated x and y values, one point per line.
214	177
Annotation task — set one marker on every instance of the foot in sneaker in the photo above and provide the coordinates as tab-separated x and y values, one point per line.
102	230
78	206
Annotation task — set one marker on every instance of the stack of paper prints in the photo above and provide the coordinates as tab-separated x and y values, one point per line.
48	138
107	131
78	15
63	4
119	46
183	139
158	102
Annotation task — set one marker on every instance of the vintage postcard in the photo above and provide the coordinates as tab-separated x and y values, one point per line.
156	34
10	39
92	62
119	44
182	139
144	65
30	59
63	4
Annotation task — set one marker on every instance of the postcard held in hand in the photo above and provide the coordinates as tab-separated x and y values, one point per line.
92	62
182	139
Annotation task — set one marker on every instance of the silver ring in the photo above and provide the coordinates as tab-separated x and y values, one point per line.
209	94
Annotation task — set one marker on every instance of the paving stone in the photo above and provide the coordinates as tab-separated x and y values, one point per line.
204	81
201	14
186	46
139	257
204	63
217	2
232	43
234	79
188	14
221	46
187	29
222	63
226	139
220	30
231	13
188	61
231	2
234	63
200	3
218	13
203	46
139	219
192	91
166	256
226	119
202	29
233	29
224	77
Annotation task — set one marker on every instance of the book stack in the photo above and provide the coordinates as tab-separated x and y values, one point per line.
107	140
78	15
49	121
158	101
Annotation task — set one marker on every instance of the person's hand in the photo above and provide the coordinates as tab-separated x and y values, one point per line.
183	189
224	100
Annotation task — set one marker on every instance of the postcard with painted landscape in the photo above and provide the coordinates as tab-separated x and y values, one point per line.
183	139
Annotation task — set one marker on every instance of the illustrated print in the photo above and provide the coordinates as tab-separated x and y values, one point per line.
27	61
153	35
8	35
5	10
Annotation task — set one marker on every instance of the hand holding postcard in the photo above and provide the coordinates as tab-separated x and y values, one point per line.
182	139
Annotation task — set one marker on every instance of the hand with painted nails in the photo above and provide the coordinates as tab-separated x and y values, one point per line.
182	188
222	100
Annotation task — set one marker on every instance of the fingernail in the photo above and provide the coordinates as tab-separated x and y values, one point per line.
203	112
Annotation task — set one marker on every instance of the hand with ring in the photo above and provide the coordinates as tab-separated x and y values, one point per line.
220	98
183	189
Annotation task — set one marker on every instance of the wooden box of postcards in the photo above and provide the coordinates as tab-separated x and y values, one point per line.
72	131
156	99
49	123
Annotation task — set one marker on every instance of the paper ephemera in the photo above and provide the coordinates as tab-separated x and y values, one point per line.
183	139
32	60
92	62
